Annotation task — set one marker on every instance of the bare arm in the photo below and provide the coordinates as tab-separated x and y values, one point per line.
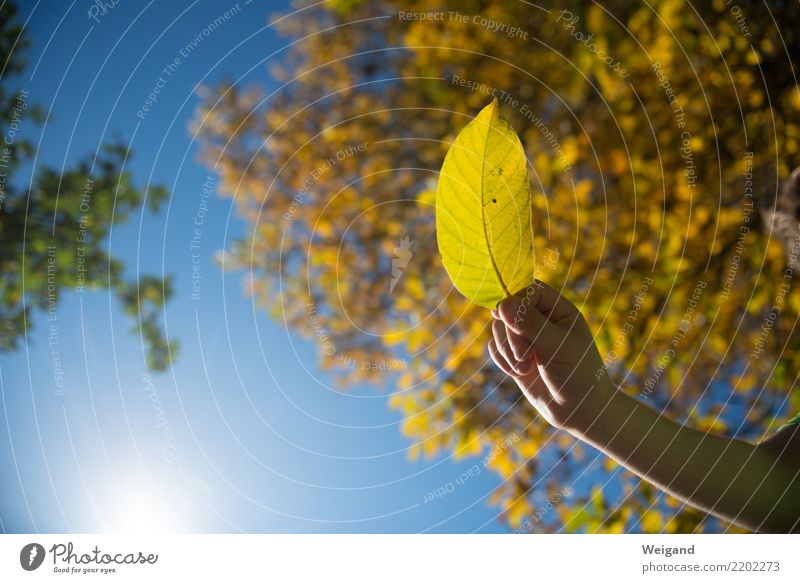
756	486
542	341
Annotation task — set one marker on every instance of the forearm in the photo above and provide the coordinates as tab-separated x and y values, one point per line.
733	479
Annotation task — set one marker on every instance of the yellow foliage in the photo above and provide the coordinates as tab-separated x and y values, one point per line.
636	178
652	521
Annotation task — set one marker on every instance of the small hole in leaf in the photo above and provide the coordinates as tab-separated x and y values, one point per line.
494	200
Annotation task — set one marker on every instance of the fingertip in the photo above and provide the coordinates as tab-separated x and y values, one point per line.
525	366
508	309
519	344
498	359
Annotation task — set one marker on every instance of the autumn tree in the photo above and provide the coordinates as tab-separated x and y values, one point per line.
54	230
657	136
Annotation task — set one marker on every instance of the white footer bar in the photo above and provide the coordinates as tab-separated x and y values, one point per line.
400	558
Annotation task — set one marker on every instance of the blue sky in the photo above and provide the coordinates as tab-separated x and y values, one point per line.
245	433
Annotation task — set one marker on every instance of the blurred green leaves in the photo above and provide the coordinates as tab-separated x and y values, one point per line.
54	232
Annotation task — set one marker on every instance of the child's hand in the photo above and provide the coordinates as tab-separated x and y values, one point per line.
543	342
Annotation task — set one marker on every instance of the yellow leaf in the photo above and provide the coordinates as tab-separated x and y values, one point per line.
582	190
615	527
426	197
651	521
483	211
519	509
